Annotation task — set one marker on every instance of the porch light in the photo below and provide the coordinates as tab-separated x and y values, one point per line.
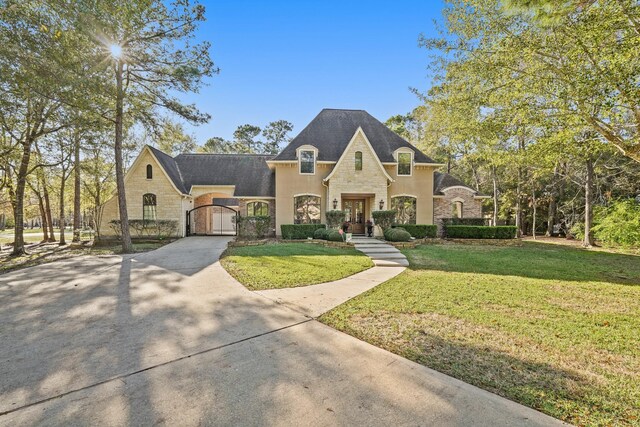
381	204
335	204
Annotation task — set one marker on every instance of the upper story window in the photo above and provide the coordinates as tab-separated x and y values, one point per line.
257	209
149	207
404	163
307	162
149	172
358	160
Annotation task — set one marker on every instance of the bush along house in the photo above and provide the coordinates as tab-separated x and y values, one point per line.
344	160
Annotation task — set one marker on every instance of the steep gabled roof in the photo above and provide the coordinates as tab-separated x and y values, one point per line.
331	130
248	172
170	166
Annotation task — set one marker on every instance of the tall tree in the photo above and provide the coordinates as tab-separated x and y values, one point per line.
171	138
276	134
149	48
244	139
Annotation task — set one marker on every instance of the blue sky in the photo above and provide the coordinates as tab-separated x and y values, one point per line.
289	59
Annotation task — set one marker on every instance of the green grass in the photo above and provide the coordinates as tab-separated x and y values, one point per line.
288	265
554	328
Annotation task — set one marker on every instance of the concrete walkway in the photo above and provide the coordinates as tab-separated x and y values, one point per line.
315	300
168	337
382	254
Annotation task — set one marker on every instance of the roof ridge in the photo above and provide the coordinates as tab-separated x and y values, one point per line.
227	154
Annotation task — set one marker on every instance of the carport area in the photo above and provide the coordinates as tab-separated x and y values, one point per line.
168	337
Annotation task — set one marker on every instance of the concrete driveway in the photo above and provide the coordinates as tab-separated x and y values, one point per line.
168	337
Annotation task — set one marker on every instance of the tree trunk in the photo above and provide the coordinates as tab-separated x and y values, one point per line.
63	180
43	216
518	207
535	211
18	211
47	209
552	215
76	189
588	205
122	199
494	179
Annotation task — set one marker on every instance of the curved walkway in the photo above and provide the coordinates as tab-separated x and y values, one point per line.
170	338
314	300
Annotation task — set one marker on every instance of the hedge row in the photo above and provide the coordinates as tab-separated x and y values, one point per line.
419	231
480	232
299	231
465	221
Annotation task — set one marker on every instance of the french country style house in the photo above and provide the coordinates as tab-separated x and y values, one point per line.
344	159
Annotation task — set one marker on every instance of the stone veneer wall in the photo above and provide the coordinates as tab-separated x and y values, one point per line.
443	206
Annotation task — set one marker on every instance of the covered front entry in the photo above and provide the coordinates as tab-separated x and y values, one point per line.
211	220
355	214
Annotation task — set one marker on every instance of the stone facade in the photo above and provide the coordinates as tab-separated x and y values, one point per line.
170	204
443	206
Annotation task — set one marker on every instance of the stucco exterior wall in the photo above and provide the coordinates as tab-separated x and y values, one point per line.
290	183
418	185
169	201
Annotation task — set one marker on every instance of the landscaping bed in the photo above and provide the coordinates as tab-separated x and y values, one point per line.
555	328
287	265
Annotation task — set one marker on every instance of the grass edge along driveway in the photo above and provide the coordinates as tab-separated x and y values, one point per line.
289	265
554	328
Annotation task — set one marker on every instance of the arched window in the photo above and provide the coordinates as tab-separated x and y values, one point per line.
456	209
149	171
306	209
358	160
149	207
257	209
405	207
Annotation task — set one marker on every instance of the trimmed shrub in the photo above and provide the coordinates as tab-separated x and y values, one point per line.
334	218
160	228
334	236
321	234
253	227
465	221
299	231
397	234
419	231
480	232
384	219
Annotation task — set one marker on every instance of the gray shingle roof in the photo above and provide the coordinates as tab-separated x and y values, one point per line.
442	181
331	130
248	172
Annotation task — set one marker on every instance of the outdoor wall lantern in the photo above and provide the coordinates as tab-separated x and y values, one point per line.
335	204
381	204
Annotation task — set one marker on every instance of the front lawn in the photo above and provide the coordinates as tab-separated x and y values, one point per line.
288	265
554	328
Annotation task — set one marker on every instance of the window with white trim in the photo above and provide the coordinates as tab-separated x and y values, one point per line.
307	162
404	164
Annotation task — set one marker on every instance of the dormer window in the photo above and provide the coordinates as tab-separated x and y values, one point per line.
404	164
307	162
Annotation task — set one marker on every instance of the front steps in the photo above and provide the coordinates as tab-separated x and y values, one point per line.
381	253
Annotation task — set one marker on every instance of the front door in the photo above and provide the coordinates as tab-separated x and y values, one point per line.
354	213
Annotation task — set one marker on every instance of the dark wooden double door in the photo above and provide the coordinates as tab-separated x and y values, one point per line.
354	213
